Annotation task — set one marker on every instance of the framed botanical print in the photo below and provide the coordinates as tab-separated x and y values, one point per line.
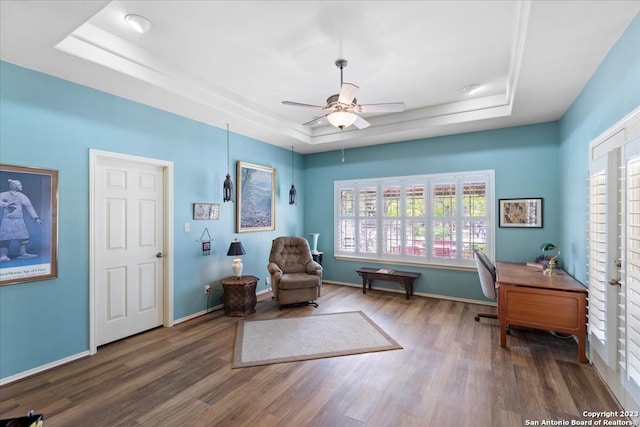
255	202
525	213
28	224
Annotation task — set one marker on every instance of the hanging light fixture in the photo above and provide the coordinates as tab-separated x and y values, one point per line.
293	197
228	184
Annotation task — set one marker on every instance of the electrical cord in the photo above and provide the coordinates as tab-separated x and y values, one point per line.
564	337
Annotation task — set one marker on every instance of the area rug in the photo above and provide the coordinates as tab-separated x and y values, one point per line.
263	342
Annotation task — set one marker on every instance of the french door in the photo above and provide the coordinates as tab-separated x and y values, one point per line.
614	260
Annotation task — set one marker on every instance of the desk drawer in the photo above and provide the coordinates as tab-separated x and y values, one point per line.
543	309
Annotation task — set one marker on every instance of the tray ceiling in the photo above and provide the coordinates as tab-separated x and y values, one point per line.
236	61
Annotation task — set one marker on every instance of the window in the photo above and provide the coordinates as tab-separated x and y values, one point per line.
426	219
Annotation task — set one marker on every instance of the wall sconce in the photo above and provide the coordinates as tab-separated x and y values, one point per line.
227	187
293	197
236	249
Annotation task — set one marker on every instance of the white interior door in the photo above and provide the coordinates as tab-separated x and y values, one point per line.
128	245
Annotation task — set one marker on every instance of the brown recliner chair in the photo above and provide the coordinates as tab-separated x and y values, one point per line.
295	277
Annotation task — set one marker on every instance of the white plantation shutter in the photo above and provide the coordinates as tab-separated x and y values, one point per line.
346	219
630	271
602	298
435	219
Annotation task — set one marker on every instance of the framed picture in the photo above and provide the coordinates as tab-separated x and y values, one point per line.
524	213
206	211
28	224
255	198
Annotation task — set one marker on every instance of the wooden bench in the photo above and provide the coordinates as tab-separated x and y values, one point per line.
403	278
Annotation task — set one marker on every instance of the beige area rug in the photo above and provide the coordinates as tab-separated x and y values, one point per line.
263	342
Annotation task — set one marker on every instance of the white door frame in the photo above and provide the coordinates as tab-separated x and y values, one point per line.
167	174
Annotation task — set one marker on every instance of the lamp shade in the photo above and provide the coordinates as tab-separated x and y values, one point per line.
236	249
548	247
341	119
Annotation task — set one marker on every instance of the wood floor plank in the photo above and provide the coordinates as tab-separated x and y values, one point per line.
451	371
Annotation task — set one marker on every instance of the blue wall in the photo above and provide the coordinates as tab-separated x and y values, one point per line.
525	161
50	123
611	93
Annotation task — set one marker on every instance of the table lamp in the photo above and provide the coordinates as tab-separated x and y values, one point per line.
236	249
553	261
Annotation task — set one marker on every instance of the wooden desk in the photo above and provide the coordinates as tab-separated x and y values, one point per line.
528	297
403	278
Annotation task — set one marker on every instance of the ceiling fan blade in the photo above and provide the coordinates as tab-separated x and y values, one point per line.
361	123
316	121
347	93
390	107
298	104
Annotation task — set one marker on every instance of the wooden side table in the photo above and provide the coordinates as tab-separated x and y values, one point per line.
239	295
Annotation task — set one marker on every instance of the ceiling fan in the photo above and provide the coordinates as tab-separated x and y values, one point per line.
343	108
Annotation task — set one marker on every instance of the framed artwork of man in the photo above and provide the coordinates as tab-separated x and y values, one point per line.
28	224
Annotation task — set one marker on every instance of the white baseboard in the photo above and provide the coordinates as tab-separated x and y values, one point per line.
198	314
42	368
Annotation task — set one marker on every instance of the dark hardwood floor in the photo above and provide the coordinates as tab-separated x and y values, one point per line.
451	372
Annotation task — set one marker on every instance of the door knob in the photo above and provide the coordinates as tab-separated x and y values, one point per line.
159	255
614	282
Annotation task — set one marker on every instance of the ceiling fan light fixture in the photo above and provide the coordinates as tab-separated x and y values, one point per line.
340	107
342	119
138	23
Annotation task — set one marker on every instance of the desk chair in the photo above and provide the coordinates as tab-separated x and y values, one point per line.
487	273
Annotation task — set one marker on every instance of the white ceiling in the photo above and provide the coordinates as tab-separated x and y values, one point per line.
235	61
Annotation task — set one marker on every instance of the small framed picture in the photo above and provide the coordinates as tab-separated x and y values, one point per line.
521	213
206	211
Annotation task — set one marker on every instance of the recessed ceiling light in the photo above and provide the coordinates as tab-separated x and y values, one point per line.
471	89
138	23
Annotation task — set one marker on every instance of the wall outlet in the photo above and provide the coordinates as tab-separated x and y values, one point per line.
207	289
